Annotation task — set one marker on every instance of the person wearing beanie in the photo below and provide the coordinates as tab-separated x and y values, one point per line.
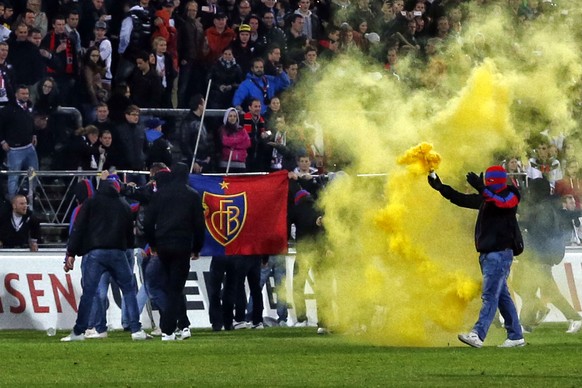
158	149
497	239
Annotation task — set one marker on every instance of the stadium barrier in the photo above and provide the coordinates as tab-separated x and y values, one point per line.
35	292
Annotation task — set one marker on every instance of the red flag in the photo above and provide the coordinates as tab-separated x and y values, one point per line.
245	215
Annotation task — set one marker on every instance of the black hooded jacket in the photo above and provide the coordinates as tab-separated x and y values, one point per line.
175	219
104	222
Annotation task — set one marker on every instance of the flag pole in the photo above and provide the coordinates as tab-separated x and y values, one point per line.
229	159
201	123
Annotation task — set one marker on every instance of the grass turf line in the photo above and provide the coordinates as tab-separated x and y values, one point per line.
285	357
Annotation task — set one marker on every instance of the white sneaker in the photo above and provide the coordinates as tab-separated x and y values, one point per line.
322	330
300	324
258	326
168	337
91	331
512	343
73	337
471	339
283	324
575	327
185	334
240	325
95	335
157	332
140	336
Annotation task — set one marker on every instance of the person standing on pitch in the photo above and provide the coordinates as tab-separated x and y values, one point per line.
174	228
102	232
497	239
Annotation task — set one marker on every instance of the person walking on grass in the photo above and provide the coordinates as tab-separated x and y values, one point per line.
497	239
102	232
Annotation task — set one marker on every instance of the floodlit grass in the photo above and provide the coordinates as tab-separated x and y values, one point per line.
286	357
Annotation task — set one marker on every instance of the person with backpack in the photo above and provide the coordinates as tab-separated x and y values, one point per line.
547	226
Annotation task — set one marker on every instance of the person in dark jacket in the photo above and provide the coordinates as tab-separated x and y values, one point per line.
102	232
157	147
19	228
547	226
497	237
174	228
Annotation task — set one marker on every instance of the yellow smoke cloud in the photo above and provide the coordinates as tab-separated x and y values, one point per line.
400	259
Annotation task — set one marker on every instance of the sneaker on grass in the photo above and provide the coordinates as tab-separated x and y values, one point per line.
73	337
258	326
168	337
471	339
95	335
185	333
157	332
512	343
140	336
240	325
574	327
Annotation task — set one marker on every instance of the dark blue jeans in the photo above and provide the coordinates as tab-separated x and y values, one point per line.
94	264
495	267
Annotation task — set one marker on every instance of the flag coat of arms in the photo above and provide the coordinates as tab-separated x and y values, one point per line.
244	215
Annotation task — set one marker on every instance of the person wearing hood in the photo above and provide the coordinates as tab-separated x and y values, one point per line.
235	143
158	149
102	232
497	239
174	229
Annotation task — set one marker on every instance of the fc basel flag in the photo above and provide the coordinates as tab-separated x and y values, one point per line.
244	215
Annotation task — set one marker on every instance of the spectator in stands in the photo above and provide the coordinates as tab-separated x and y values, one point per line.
258	37
297	41
443	28
218	37
190	127
570	184
307	175
91	13
84	150
165	70
259	153
65	68
242	14
259	86
226	76
131	139
292	70
40	18
134	38
27	60
113	151
102	42
20	228
164	27
102	121
158	149
190	44
72	22
92	91
243	49
6	76
44	96
309	66
329	46
118	102
312	28
273	65
542	164
17	136
145	83
208	13
274	36
515	173
235	143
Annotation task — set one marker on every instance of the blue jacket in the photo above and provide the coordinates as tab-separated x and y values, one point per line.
252	87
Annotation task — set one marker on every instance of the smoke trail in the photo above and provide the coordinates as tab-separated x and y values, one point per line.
401	260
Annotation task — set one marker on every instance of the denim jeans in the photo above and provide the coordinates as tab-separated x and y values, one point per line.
98	316
495	267
94	264
19	159
276	266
